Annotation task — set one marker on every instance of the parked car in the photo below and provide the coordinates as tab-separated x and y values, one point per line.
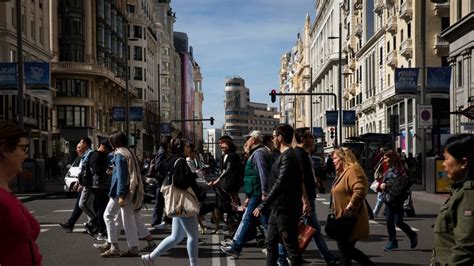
70	179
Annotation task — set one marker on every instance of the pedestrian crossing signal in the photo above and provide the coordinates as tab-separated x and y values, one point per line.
273	96
212	120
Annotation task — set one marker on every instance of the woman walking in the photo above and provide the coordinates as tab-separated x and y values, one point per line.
18	228
454	226
396	187
348	195
181	226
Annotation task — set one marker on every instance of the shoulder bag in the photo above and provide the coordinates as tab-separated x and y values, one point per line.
305	234
179	202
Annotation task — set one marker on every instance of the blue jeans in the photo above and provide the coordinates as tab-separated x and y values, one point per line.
394	216
379	203
248	221
181	227
313	221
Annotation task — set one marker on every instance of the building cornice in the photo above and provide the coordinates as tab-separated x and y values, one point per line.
376	37
460	28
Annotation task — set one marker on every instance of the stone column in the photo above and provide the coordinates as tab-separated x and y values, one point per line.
88	32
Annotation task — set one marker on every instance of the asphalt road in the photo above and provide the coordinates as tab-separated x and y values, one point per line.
60	248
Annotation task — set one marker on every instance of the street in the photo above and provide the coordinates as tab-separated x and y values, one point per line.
60	248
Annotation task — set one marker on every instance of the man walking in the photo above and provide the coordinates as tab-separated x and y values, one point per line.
284	199
256	187
304	145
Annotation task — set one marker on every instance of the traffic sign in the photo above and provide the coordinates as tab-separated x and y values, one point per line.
425	114
468	112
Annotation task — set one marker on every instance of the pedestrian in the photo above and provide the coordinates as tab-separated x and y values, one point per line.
159	172
256	188
77	211
18	228
304	145
454	226
396	188
284	199
348	193
380	170
181	226
86	202
126	197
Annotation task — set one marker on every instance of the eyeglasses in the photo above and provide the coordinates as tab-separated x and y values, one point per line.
24	147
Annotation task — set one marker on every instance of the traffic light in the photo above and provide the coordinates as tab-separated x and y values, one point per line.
273	95
212	120
332	133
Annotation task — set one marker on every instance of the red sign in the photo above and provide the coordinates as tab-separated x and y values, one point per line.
468	112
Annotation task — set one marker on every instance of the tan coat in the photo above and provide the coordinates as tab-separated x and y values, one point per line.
352	187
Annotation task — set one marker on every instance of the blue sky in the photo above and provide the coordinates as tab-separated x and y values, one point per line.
244	38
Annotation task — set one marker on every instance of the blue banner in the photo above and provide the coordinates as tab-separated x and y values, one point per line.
438	80
331	118
37	75
136	113
318	132
118	114
348	118
165	128
406	80
8	76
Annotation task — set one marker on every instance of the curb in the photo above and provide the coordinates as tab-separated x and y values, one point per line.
38	196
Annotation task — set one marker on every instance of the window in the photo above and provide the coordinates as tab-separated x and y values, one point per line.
131	9
388	47
459	10
459	70
409	30
401	35
137	31
137	55
71	87
13	16
33	30
71	116
381	56
394	42
138	73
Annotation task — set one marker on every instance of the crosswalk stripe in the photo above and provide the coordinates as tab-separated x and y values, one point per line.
62	211
44	230
320	199
49	225
216	259
325	203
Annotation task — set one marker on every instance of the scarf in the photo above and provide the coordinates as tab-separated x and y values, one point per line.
135	190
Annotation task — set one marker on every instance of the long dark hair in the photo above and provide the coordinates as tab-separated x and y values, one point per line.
118	140
462	146
10	135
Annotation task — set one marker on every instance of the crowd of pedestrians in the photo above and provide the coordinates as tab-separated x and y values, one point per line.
279	183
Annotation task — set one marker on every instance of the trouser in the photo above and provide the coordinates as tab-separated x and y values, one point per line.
159	206
394	216
379	203
283	225
100	203
76	212
181	227
131	219
86	202
248	221
348	253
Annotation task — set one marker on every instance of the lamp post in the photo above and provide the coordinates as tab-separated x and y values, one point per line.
19	55
339	81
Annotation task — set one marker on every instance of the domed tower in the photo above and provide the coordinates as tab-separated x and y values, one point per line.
237	112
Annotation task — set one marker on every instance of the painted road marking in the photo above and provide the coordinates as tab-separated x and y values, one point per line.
216	259
62	211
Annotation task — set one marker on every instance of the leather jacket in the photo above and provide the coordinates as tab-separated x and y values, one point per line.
286	181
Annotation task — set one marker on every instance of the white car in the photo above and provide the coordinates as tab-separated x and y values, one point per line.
70	179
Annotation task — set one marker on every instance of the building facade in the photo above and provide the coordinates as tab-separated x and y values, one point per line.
242	115
212	143
38	104
197	113
460	36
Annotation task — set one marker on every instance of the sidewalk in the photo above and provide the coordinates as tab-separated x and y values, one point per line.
51	188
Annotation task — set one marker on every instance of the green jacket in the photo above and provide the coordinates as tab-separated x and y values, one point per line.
454	227
253	180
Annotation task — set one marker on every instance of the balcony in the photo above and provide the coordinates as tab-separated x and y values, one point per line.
87	69
346	70
353	89
357	4
406	10
392	59
368	105
440	46
392	24
378	6
406	48
441	9
346	96
352	64
358	30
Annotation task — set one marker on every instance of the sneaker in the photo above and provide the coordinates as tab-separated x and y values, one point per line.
67	227
102	247
230	251
101	237
227	242
147	260
150	247
89	229
111	253
414	240
161	226
391	246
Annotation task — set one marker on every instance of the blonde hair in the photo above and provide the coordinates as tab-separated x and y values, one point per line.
349	159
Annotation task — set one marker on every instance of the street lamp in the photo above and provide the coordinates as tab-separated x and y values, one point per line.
339	81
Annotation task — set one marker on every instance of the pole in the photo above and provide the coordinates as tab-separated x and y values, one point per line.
19	55
339	81
311	98
127	96
159	104
422	92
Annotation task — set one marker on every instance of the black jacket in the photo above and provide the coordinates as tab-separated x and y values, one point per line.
99	162
232	176
286	183
180	175
308	175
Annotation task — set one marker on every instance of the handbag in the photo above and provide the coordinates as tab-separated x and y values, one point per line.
179	202
339	228
305	234
375	186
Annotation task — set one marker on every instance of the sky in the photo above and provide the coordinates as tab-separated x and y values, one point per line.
242	38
